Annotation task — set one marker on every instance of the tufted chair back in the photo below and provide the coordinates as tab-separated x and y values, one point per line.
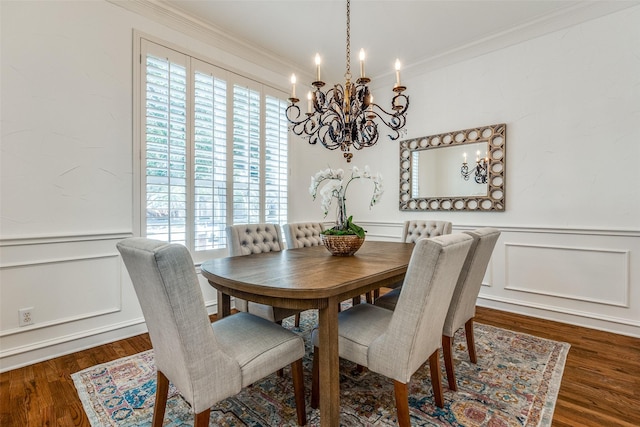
303	234
246	239
417	229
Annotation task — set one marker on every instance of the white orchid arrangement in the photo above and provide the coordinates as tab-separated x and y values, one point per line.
336	187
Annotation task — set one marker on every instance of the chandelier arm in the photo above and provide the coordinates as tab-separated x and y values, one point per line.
394	121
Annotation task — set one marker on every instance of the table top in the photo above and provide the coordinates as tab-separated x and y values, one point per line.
308	273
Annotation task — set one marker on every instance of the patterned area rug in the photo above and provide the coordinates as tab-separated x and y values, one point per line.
515	383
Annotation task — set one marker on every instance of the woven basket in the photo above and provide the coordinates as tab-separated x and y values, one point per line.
346	245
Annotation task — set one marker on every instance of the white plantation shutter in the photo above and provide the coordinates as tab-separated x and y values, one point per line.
275	164
166	152
210	159
214	150
246	155
415	176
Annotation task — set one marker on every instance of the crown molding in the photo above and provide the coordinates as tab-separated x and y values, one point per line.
163	13
564	18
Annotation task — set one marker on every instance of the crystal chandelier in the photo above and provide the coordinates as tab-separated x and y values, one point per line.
345	117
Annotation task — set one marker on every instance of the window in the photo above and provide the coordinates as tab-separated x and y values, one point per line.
214	150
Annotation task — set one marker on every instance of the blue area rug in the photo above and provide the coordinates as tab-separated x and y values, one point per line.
514	383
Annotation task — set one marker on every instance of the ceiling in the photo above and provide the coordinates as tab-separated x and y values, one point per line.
416	31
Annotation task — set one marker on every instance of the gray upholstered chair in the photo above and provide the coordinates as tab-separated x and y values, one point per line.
463	304
411	232
303	234
246	239
206	362
396	343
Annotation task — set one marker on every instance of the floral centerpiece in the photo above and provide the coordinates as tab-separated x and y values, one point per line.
336	184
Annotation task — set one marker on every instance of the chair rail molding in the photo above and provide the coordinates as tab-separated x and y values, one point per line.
583	276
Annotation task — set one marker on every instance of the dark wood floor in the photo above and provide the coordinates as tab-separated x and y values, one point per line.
600	386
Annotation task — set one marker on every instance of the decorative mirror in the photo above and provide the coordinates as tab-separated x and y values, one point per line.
461	170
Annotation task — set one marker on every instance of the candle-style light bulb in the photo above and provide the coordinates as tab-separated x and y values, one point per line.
309	102
293	85
362	63
318	67
397	72
465	157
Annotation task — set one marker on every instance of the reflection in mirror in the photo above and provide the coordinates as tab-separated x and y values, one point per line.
450	171
460	170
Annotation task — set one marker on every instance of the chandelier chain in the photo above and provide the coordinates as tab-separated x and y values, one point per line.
347	75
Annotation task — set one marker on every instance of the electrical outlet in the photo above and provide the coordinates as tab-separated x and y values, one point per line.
25	316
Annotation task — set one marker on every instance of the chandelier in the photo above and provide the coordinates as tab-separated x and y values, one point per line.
346	116
480	171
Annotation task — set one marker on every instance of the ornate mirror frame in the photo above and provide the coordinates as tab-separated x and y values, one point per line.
494	200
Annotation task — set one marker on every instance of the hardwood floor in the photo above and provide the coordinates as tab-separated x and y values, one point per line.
600	385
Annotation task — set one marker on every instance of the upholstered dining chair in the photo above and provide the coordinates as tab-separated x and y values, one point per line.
303	234
463	303
396	343
246	239
207	362
411	232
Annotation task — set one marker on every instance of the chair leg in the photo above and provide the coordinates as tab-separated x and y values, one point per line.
297	320
162	392
297	373
471	345
402	403
315	380
434	366
447	345
202	419
280	372
369	297
376	294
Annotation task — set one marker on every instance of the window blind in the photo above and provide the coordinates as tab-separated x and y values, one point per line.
214	150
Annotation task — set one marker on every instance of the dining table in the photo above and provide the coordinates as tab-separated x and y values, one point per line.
310	278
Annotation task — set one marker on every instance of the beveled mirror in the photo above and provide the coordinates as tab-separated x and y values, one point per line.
462	170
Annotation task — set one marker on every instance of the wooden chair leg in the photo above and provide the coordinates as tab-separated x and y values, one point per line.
369	297
401	391
376	294
202	419
297	373
315	380
162	392
356	300
434	366
297	320
471	345
447	346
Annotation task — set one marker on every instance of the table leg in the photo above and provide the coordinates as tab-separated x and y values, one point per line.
329	365
224	305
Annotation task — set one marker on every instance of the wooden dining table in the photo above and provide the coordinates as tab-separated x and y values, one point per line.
310	278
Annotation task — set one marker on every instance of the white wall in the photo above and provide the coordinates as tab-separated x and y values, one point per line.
570	101
570	248
67	172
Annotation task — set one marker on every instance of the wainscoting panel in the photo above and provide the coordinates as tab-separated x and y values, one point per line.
587	277
60	290
595	275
